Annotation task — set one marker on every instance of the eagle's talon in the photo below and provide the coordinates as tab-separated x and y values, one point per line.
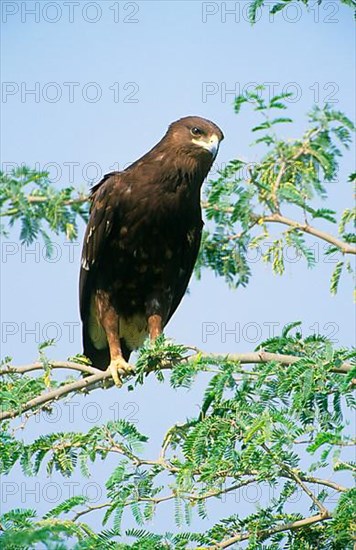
119	366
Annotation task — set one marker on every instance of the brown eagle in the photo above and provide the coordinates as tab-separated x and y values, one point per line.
141	243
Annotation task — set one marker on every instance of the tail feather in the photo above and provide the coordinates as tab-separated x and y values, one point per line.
100	358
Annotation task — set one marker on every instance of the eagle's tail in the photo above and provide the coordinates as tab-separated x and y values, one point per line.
100	358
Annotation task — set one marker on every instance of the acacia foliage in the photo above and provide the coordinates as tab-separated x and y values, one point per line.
28	198
276	7
249	202
256	425
279	424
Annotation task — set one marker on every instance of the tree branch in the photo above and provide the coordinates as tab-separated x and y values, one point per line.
89	382
97	377
193	497
276	217
71	365
277	183
306	228
326	482
33	199
39	199
266	357
266	533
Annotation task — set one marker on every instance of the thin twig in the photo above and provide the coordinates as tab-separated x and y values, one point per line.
293	474
192	497
277	183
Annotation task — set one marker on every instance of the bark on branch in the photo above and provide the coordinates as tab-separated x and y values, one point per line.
344	247
276	217
97	377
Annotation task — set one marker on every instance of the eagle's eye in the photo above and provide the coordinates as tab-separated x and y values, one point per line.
196	131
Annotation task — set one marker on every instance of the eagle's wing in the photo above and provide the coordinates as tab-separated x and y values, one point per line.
189	257
99	226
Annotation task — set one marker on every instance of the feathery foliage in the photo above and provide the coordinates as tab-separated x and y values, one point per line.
275	420
280	5
257	423
246	203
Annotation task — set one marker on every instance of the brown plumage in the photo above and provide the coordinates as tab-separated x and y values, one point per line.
142	241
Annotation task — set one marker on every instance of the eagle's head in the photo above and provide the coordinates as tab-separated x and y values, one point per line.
196	135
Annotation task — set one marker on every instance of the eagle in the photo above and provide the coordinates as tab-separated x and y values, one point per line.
141	243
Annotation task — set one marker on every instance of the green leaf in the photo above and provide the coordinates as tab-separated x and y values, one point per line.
335	278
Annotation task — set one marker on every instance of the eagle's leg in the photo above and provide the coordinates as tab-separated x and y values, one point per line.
109	320
154	326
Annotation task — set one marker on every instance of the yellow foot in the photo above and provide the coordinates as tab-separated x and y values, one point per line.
119	366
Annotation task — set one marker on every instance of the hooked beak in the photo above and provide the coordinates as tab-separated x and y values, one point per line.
212	145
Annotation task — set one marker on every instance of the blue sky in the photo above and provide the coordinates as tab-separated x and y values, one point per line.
147	64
